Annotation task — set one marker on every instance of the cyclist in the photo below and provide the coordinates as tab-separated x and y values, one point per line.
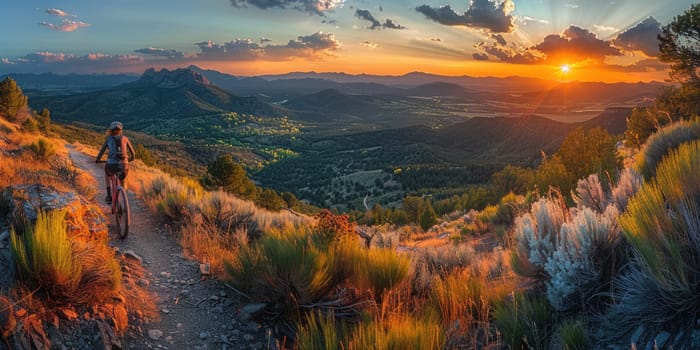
117	159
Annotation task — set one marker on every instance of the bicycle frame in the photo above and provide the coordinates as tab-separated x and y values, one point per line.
120	203
114	185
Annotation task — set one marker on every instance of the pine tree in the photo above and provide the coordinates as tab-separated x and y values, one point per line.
232	177
44	120
12	100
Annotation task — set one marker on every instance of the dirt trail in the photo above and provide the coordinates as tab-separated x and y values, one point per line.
194	313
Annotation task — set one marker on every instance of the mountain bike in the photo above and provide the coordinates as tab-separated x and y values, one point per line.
120	203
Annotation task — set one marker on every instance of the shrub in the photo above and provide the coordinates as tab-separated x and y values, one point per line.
524	322
446	258
662	142
68	272
536	232
587	256
572	335
321	332
44	256
381	270
575	254
400	332
662	224
43	148
283	269
330	226
460	298
590	194
628	183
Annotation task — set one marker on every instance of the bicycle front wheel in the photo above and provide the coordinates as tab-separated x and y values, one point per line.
122	213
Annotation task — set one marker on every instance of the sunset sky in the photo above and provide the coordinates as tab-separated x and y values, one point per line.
598	40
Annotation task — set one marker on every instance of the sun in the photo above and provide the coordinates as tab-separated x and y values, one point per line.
565	68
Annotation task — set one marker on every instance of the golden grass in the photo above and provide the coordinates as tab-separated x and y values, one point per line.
68	271
208	245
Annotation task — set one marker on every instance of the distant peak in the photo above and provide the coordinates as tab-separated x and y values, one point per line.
173	79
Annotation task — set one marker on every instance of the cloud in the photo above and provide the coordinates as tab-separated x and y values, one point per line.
59	13
435	39
526	19
510	55
480	56
486	14
641	37
66	25
374	23
312	46
60	57
369	44
6	60
646	65
314	7
575	44
500	40
167	53
60	62
367	16
604	29
572	6
391	25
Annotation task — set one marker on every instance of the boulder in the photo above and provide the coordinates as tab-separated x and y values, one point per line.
82	218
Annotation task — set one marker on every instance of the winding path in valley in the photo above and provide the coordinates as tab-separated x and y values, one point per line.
194	312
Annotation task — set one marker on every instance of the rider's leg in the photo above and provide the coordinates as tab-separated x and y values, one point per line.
124	170
109	170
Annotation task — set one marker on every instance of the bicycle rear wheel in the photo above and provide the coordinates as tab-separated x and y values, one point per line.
122	213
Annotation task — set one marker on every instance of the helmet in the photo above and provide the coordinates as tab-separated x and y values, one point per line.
116	126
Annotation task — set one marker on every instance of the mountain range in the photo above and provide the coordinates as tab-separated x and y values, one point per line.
155	95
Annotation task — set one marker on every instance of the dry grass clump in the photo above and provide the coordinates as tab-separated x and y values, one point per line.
399	331
69	272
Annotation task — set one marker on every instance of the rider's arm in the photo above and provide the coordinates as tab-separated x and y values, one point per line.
131	149
102	151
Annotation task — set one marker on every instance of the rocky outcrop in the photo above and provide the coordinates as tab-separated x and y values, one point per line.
173	79
21	203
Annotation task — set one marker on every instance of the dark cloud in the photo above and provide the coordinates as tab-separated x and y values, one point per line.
480	56
641	37
316	7
367	16
499	39
167	53
66	25
311	46
485	14
510	55
435	39
391	25
576	44
237	49
374	22
647	65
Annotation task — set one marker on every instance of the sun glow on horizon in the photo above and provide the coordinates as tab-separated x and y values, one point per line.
565	68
